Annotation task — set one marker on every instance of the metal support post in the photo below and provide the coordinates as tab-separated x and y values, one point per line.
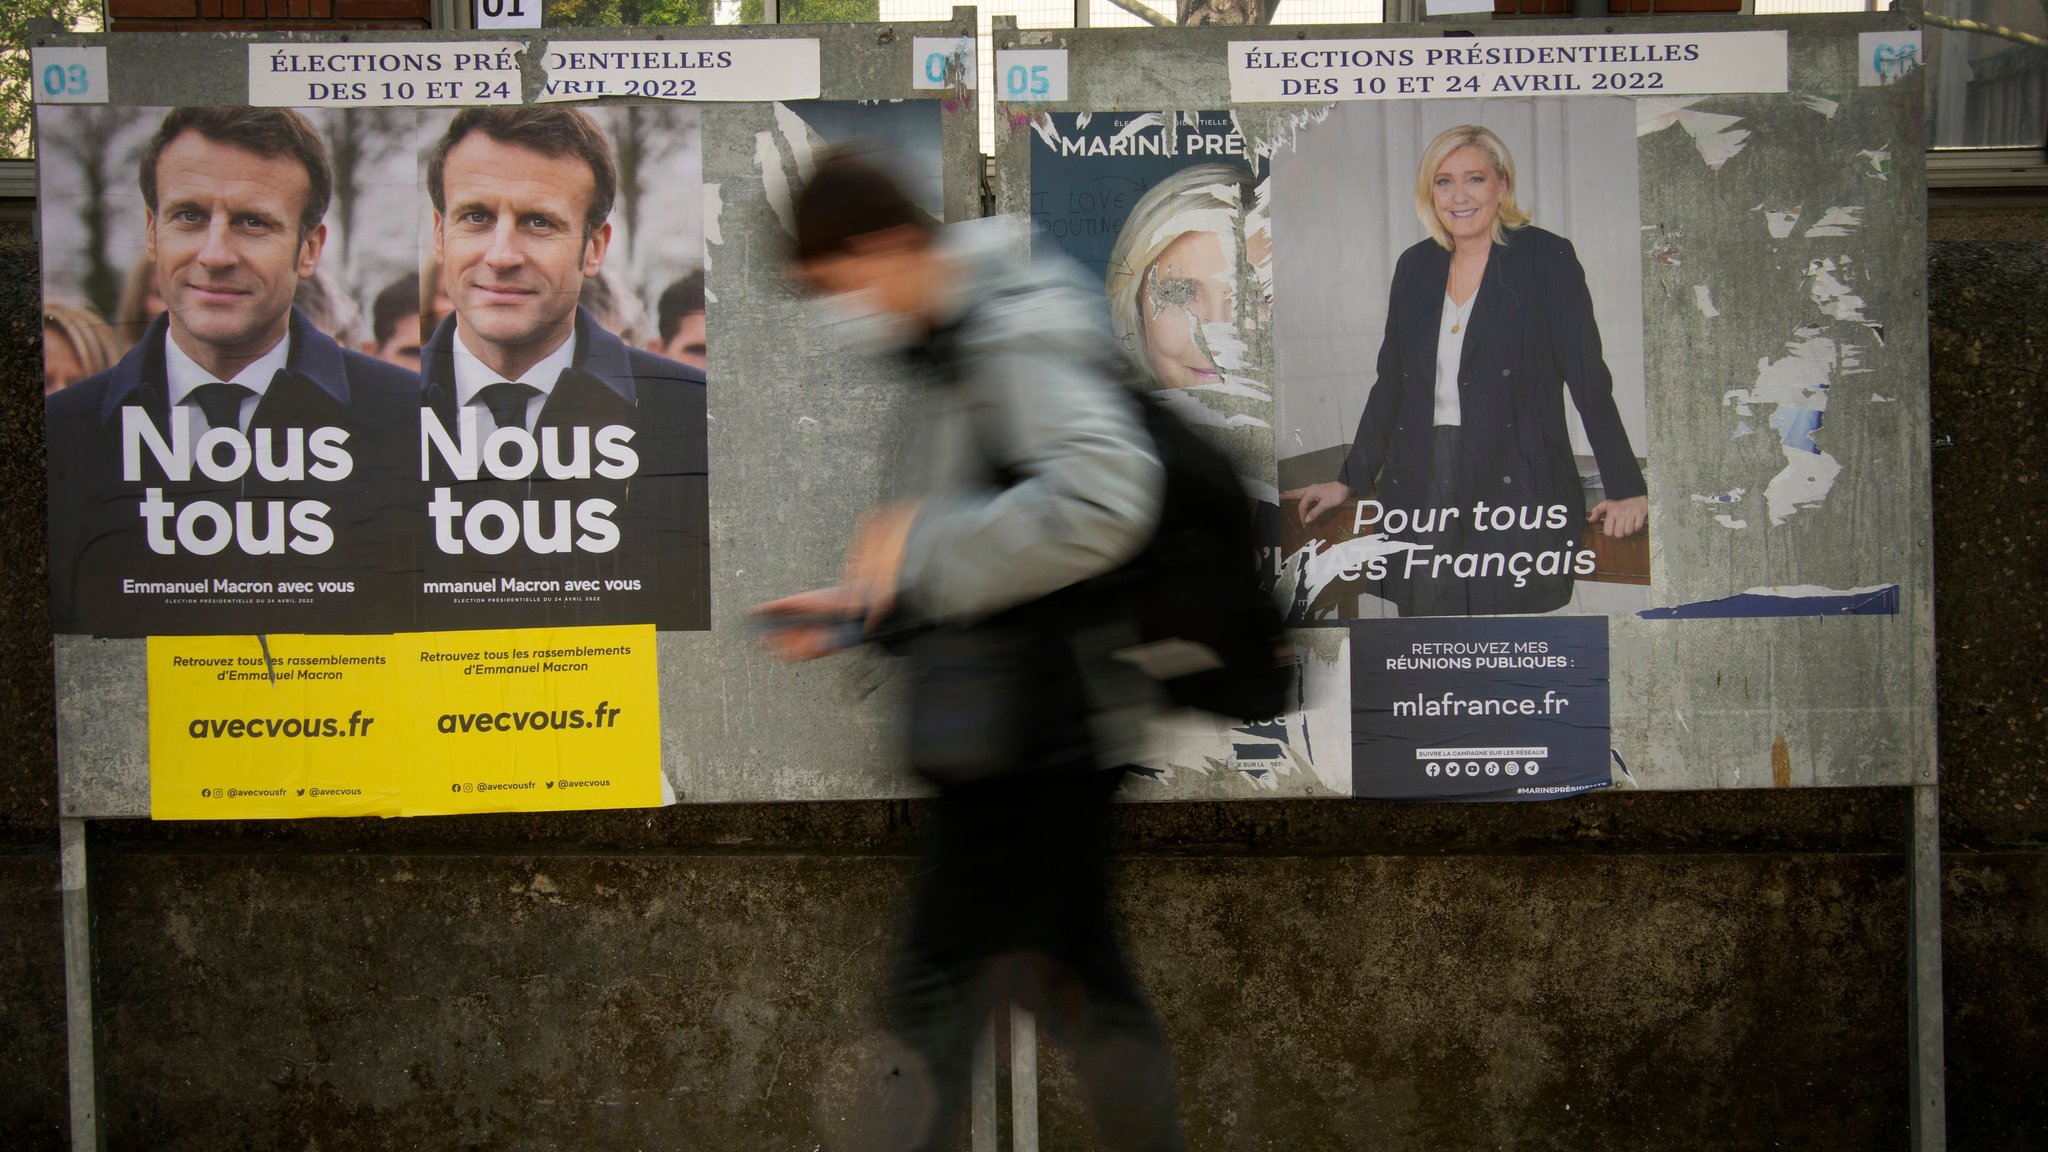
80	1024
1923	974
982	1121
1023	1080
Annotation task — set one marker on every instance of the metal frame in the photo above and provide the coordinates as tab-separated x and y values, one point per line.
81	1023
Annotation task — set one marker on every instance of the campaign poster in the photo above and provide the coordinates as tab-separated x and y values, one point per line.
561	427
1458	329
1166	212
229	442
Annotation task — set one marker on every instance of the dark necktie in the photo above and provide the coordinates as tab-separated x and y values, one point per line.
507	402
222	403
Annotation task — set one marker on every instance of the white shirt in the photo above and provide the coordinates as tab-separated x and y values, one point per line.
182	375
1450	354
473	376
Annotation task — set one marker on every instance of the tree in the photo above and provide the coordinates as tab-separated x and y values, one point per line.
814	11
625	13
1198	12
17	95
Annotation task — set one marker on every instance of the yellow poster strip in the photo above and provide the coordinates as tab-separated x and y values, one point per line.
277	727
530	720
510	720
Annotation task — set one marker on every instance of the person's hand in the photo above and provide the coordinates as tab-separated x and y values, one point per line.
1620	518
874	560
827	615
1317	499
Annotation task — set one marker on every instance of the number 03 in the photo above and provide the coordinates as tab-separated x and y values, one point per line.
66	80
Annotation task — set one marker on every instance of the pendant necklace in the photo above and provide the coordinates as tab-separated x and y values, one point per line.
1459	312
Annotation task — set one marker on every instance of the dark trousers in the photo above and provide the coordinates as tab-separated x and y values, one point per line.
1445	595
1011	904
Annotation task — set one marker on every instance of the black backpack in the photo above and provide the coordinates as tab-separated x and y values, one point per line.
1212	637
1209	634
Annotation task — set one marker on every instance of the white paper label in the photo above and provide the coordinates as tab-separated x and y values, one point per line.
1882	57
1455	7
742	70
942	62
490	14
383	75
1031	75
1457	68
69	75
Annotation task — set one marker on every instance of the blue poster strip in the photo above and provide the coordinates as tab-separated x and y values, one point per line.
1486	708
1881	601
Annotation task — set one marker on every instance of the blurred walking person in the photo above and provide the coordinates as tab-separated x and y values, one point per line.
1036	473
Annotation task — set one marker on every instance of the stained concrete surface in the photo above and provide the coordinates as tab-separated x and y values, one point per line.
32	1053
1988	346
544	1002
1995	963
1989	362
28	753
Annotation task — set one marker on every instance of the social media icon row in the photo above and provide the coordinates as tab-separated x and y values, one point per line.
1475	768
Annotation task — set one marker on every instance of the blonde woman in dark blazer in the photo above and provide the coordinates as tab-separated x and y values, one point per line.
1489	323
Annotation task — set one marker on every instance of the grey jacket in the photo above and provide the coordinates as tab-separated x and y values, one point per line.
1037	396
1035	471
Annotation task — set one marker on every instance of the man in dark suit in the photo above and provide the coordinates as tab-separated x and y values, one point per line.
565	470
235	452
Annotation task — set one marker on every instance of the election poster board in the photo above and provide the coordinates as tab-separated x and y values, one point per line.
1558	366
1751	268
378	414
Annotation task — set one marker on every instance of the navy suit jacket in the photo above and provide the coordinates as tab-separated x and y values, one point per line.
1530	337
99	536
658	573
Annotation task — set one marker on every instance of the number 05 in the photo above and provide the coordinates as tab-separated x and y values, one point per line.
1036	83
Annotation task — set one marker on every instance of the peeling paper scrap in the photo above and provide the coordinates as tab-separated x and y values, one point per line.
1780	223
1831	295
1715	135
714	214
774	181
1703	299
1807	479
798	134
1822	105
1787	600
1837	222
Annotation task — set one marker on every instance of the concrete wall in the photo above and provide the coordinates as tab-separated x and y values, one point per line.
1623	971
